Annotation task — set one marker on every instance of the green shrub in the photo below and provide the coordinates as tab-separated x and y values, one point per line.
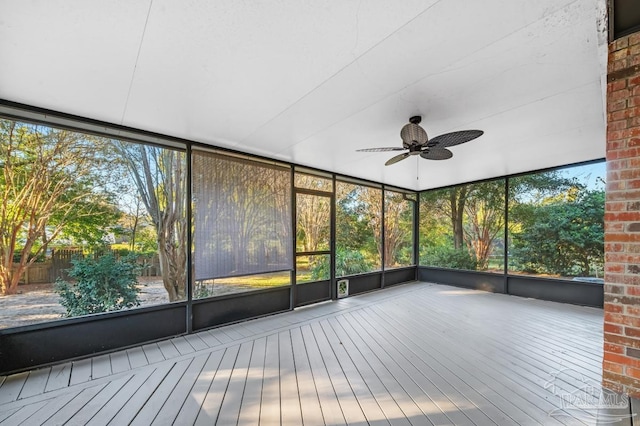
102	285
201	289
348	262
449	257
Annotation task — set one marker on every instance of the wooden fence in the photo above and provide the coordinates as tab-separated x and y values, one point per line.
60	263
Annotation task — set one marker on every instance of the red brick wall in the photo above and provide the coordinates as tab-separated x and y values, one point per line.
621	365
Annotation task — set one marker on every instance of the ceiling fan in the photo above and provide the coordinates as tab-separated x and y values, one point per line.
415	139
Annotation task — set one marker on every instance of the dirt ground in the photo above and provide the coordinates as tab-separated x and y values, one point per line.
36	303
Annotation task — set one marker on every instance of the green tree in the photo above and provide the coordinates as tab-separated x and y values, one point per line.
159	175
471	216
312	222
398	229
348	262
561	236
358	218
475	214
49	187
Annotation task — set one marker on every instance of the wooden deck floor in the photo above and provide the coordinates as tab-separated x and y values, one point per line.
414	354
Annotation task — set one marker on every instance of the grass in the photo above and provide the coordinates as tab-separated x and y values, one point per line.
257	281
265	281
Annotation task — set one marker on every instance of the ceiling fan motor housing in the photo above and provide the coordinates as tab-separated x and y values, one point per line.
412	134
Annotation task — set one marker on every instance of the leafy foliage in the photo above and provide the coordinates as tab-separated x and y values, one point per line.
448	257
52	188
555	224
102	285
560	237
470	216
398	229
358	221
201	289
160	179
348	262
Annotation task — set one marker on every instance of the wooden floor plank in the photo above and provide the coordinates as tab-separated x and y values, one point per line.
534	396
254	327
232	332
427	358
476	404
537	362
351	406
35	383
535	404
478	342
309	401
414	354
408	391
153	353
291	413
59	377
12	386
250	406
21	415
213	401
239	330
270	402
100	366
168	349
382	393
208	339
540	343
190	408
85	406
8	413
137	357
230	410
182	345
331	409
74	399
159	397
220	336
358	385
80	371
125	406
120	362
196	342
180	392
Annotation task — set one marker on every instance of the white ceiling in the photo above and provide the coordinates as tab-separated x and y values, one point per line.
311	82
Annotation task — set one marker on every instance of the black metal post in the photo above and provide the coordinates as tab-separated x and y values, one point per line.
506	236
416	233
332	240
382	243
191	224
294	222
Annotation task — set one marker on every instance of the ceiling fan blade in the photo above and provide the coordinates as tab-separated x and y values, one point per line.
454	138
397	158
384	149
437	154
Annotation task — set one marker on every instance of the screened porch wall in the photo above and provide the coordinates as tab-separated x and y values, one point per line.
242	228
93	334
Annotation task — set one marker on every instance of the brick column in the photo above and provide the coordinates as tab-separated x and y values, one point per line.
621	365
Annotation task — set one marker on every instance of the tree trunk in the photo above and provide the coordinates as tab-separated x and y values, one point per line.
9	279
586	267
457	198
172	265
